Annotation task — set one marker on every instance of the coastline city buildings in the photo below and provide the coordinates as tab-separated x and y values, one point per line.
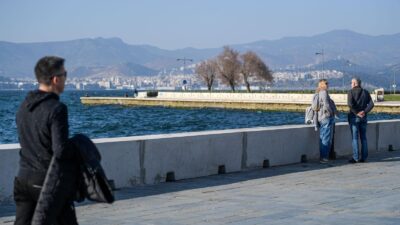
169	81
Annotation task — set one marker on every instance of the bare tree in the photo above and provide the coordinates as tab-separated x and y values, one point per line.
254	68
228	66
207	70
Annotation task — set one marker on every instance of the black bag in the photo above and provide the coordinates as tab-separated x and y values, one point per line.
93	183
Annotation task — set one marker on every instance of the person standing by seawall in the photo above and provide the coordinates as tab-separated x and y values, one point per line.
42	124
360	103
326	111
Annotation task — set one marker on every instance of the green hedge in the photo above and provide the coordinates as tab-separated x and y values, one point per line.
392	97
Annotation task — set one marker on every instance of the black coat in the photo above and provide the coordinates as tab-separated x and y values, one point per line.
87	180
93	182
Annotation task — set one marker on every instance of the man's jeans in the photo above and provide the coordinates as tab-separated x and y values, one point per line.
358	127
326	136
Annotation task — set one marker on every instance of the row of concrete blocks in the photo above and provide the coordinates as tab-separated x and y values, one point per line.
151	159
276	97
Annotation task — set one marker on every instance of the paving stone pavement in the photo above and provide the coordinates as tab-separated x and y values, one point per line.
308	193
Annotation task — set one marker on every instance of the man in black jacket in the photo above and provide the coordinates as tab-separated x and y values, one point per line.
360	103
42	123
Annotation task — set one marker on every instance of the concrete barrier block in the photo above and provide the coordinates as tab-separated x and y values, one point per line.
342	140
271	97
389	134
372	137
191	156
9	159
121	161
281	146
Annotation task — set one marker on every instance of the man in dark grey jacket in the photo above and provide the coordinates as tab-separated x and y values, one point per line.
360	103
42	124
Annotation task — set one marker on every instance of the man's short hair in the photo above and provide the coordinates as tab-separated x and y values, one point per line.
48	67
358	81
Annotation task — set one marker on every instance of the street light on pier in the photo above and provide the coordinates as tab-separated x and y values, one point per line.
394	83
184	63
323	60
347	64
184	59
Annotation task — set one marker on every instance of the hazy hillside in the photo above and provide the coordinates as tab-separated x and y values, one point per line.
375	51
88	57
121	69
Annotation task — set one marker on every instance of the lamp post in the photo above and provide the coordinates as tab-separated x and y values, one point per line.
322	54
184	63
349	65
184	59
343	83
394	83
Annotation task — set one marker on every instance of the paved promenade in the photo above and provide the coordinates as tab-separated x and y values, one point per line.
309	193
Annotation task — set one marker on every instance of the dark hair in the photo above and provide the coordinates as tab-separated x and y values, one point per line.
48	67
358	81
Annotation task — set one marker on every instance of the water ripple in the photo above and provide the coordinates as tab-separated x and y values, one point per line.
117	120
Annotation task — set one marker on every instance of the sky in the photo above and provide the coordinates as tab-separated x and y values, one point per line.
174	24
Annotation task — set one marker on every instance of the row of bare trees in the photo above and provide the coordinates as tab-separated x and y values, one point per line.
231	68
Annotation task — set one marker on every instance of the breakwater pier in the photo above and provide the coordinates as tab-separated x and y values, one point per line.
253	101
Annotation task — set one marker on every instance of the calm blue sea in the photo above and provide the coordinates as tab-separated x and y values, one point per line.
119	121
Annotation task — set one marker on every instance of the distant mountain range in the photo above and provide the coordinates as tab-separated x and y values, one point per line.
102	57
86	57
375	51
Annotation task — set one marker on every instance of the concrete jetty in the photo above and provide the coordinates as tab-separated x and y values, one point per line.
253	101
